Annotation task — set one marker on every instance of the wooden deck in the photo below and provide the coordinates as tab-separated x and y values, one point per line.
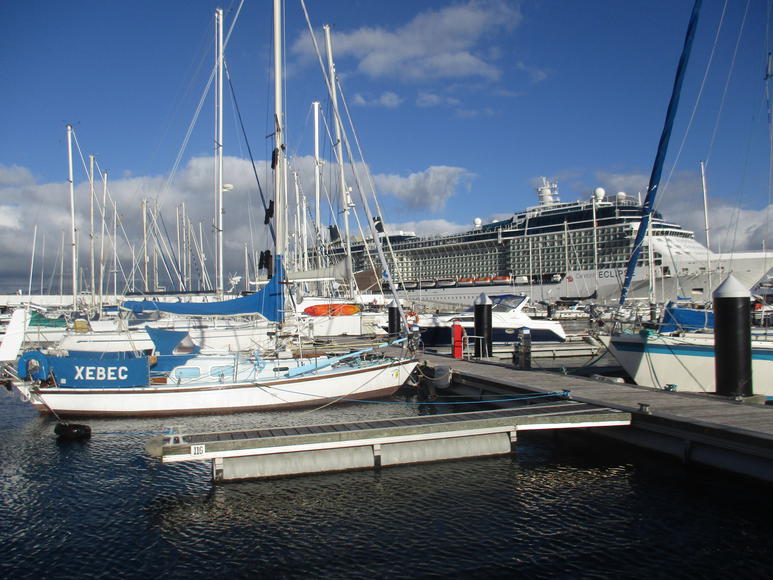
625	397
712	430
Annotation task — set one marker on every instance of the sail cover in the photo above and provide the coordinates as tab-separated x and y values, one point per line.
268	301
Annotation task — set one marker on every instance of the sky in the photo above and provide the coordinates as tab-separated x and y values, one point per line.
458	108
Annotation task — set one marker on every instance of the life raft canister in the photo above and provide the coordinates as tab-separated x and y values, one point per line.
23	366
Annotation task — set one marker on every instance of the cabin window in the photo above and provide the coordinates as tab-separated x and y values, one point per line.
187	373
225	371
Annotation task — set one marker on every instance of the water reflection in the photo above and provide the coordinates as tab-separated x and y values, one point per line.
564	506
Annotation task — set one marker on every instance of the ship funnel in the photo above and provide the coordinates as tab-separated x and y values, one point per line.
547	192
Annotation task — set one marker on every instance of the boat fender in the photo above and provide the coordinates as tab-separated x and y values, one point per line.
33	364
72	431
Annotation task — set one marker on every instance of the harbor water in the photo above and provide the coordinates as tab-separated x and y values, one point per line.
564	506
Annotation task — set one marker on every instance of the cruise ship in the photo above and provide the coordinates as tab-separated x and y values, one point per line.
558	251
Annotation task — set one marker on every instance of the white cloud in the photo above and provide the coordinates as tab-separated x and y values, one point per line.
15	176
27	203
426	190
436	44
536	75
388	100
427	99
10	217
630	183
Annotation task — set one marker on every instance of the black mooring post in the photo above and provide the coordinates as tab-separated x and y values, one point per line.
732	339
483	345
394	318
523	346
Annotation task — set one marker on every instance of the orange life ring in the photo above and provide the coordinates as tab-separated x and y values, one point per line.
412	318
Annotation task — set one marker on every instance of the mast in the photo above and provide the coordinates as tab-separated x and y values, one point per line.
115	249
155	243
297	224
219	148
706	229
304	234
61	268
665	137
42	261
177	230
73	231
246	269
345	202
91	224
651	270
279	147
32	261
102	238
317	170
145	243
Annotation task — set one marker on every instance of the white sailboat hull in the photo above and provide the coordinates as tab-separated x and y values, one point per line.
685	361
347	383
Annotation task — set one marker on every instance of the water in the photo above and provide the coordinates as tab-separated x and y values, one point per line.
563	507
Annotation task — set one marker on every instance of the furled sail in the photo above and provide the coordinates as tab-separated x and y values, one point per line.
268	301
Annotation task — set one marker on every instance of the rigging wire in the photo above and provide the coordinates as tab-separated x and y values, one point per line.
697	103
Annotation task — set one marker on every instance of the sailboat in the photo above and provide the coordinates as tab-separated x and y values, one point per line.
680	354
175	377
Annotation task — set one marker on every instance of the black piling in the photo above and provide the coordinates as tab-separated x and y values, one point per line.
732	339
522	349
393	318
483	344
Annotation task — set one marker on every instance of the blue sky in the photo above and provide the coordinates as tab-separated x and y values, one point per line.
459	108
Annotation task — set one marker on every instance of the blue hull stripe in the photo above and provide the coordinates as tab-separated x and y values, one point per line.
683	349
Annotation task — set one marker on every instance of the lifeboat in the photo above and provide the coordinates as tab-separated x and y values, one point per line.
483	280
428	283
465	282
410	285
332	310
501	280
446	282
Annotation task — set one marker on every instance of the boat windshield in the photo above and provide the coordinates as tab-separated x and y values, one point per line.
504	302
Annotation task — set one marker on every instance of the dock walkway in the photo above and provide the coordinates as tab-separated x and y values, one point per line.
705	429
278	451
